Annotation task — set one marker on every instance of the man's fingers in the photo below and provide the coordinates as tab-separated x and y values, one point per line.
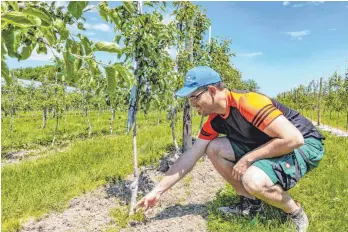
140	203
146	204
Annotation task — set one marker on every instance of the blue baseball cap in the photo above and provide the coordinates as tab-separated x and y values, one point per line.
197	77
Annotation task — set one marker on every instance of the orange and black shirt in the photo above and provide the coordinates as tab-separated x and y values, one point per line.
248	114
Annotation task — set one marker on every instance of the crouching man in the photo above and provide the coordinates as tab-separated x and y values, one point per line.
267	149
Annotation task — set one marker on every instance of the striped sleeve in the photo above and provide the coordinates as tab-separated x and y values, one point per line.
207	131
258	109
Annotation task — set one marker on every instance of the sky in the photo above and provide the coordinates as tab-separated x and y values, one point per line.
278	44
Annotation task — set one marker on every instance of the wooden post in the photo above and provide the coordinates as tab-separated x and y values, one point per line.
187	117
319	99
135	184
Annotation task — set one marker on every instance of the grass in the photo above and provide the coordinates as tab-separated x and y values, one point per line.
337	120
121	218
27	132
33	188
323	193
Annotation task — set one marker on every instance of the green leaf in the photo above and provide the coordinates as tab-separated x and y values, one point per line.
106	47
78	62
93	66
69	65
3	47
27	50
5	72
129	7
49	35
148	3
11	39
14	5
21	20
118	38
4	6
111	76
41	49
60	26
45	17
86	44
80	26
69	45
104	11
76	8
115	18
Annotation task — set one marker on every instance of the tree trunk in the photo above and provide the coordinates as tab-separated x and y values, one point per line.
159	118
187	123
55	130
98	114
112	119
12	110
200	126
11	119
135	183
172	125
44	118
347	121
319	99
53	112
187	127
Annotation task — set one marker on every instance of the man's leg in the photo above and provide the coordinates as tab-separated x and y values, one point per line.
258	183
221	155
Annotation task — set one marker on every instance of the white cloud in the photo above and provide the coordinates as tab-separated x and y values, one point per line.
252	54
332	29
167	18
98	27
299	5
286	3
315	3
298	34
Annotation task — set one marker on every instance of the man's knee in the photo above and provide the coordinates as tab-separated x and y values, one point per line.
255	180
212	149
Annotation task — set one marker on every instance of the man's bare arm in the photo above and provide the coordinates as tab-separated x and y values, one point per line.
286	138
177	171
182	166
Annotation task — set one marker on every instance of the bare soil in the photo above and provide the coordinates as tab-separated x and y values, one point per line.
182	208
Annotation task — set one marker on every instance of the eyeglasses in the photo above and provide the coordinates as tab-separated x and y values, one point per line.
196	97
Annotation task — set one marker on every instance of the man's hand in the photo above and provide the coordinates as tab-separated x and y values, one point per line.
240	168
150	200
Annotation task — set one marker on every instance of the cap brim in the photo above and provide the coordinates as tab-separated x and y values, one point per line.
185	91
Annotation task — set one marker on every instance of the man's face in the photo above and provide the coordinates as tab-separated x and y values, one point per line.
202	100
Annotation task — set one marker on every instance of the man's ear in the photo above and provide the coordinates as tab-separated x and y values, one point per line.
212	90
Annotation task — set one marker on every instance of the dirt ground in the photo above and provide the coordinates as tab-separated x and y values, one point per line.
182	208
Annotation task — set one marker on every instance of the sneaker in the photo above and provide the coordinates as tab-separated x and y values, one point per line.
300	219
246	207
